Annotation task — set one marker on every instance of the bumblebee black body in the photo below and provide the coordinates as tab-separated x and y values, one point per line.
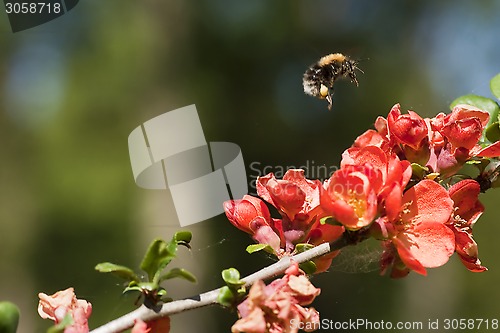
320	76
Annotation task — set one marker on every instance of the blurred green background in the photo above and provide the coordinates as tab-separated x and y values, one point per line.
73	89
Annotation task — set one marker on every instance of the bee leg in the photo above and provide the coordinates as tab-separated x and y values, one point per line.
353	78
330	101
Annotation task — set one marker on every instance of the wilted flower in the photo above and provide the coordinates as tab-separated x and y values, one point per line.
276	307
64	302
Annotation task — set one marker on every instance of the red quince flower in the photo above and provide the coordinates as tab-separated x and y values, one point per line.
350	195
279	306
419	234
454	139
58	305
409	132
161	325
391	167
468	209
395	174
252	216
407	129
464	126
296	197
297	200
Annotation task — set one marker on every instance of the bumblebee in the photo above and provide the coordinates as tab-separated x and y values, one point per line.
320	76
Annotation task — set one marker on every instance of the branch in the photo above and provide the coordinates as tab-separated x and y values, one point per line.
210	297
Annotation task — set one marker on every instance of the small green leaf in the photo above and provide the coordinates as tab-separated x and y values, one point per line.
492	132
495	85
259	247
419	171
132	288
329	220
483	103
142	287
9	317
303	247
432	175
225	297
118	270
158	255
232	276
231	294
309	267
179	273
162	293
183	236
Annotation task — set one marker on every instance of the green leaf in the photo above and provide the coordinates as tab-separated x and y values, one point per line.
118	270
259	247
483	103
495	85
9	317
230	294
492	132
303	247
329	220
419	171
132	288
309	267
158	255
142	287
232	276
179	273
183	236
225	297
162	293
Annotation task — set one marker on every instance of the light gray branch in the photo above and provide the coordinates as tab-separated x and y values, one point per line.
210	297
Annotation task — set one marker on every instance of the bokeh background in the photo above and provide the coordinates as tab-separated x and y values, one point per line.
73	89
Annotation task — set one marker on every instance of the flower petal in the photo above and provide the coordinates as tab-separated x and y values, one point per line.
427	202
431	244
